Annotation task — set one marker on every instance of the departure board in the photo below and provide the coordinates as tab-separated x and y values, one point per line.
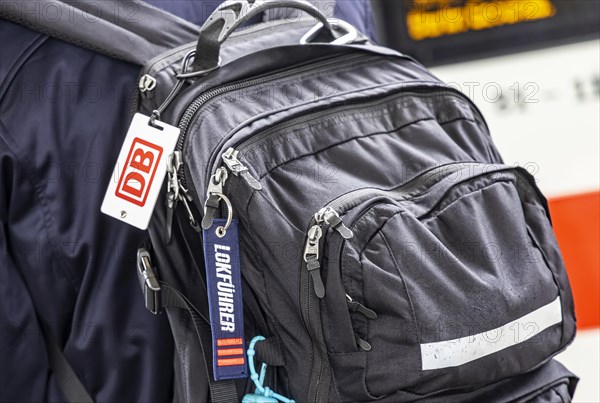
445	31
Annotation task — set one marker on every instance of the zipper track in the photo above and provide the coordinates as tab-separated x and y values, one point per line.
414	188
312	313
310	305
403	192
265	134
305	117
261	136
350	200
179	52
200	101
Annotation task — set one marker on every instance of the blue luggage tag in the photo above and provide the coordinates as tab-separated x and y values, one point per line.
224	285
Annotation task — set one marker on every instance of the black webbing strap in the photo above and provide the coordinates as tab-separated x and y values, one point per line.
68	381
159	295
270	352
134	31
220	391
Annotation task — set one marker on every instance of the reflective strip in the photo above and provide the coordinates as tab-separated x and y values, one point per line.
451	353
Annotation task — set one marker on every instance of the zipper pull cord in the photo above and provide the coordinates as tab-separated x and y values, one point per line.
262	394
180	81
311	257
365	345
187	199
354	306
176	193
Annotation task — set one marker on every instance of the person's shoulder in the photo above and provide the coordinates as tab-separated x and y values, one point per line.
359	14
18	43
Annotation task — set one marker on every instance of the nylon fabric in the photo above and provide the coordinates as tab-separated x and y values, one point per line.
123	26
362	118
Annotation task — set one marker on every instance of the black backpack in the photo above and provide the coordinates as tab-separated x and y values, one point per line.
358	204
384	251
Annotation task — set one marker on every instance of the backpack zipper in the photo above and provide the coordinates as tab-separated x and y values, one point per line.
329	216
232	156
201	100
176	174
231	160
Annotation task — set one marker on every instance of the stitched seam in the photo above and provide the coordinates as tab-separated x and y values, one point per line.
344	263
456	119
39	191
412	309
63	37
379	230
431	215
333	121
220	100
264	281
553	272
336	120
19	63
276	210
363	321
341	143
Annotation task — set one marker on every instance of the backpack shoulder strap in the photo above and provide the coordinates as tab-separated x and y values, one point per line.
68	381
131	30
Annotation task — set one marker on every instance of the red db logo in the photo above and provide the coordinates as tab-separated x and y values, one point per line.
138	172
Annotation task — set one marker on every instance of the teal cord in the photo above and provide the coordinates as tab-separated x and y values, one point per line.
262	394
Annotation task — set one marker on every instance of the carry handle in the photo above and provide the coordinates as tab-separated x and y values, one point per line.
230	15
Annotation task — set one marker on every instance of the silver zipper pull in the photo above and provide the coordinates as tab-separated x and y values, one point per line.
311	257
332	218
230	158
173	165
146	83
173	188
214	195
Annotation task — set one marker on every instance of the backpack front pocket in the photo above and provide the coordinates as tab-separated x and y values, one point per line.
464	295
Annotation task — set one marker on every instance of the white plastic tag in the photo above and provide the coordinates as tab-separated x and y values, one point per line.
139	172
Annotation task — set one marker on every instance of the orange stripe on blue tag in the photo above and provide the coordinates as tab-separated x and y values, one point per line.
230	351
230	342
224	286
230	362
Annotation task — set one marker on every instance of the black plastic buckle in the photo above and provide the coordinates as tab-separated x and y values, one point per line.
148	282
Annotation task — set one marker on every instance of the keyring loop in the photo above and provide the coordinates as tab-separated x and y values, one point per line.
221	231
183	75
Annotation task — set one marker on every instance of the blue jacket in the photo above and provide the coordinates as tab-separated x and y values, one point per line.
63	114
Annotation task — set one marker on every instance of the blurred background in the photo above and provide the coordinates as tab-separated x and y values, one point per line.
533	68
